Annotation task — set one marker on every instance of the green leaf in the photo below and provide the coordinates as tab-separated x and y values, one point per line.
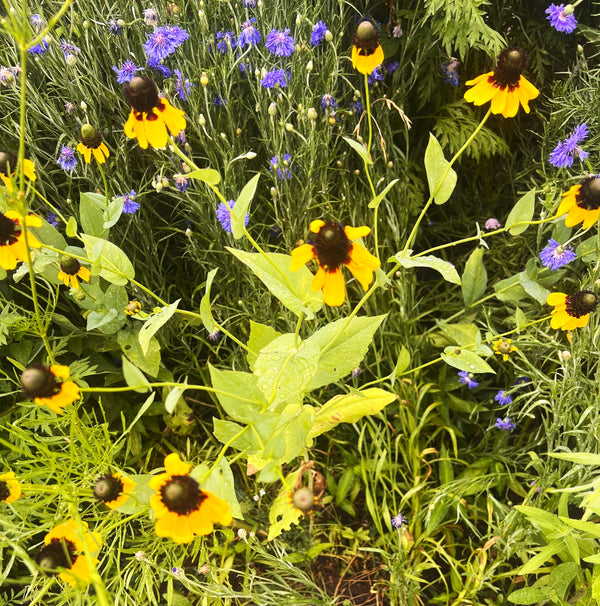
544	519
360	149
445	268
474	278
283	513
464	359
533	289
530	595
113	213
238	394
522	212
226	432
91	214
206	175
349	408
174	396
401	365
542	557
467	335
134	377
510	289
205	307
154	323
345	349
238	214
260	336
376	201
441	177
148	362
291	288
108	260
95	319
285	368
220	482
581	458
71	228
587	250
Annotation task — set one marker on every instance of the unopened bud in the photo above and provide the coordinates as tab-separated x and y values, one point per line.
204	79
312	113
202	120
303	499
328	36
309	66
289	126
272	109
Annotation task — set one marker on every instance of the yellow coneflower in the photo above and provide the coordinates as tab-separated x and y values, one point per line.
581	203
504	348
571	311
40	384
332	247
12	239
113	489
8	168
367	53
70	270
91	143
10	488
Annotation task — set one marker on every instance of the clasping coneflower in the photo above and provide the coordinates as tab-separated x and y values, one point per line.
64	548
182	509
113	489
367	53
571	311
12	239
10	488
151	116
70	270
40	384
504	348
332	247
582	203
505	87
8	167
91	143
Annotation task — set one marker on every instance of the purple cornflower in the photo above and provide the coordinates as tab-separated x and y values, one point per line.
51	218
224	215
182	86
249	3
249	36
163	70
150	16
328	101
283	169
561	19
505	425
162	42
276	77
466	378
38	49
181	183
356	107
37	22
492	223
503	398
318	33
375	76
129	202
68	48
522	383
115	27
450	71
555	255
214	336
67	159
180	137
565	152
399	521
219	100
126	72
389	67
280	44
225	41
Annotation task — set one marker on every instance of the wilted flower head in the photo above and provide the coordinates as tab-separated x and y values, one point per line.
150	16
225	41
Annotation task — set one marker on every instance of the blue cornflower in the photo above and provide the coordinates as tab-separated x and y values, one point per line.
67	159
503	398
214	336
399	521
126	72
180	137
68	48
466	378
561	19
181	183
52	219
129	202
276	77
225	41
162	42
249	36
115	27
37	22
505	425
249	3
163	70
328	101
375	76
356	107
150	16
565	152
182	86
283	169
224	215
389	67
38	49
522	383
219	100
318	33
555	255
280	44
449	71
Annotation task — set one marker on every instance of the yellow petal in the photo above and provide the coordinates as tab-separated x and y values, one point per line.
334	288
156	131
556	298
29	169
362	273
301	255
352	233
499	101
362	256
175	466
316	225
173	118
318	280
365	64
591	218
97	151
7	257
512	104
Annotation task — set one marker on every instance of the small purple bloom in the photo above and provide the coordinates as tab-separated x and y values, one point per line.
225	41
355	372
180	137
466	378
224	215
214	336
504	424
450	71
163	70
52	219
68	48
276	77
162	42
280	43
375	76
182	86
283	168
150	16
126	72
219	101
565	152
492	223
181	183
522	383
37	22
399	521
249	3
554	256
115	27
67	158
560	19
129	202
249	36
318	33
503	398
38	49
6	75
397	31
328	101
356	107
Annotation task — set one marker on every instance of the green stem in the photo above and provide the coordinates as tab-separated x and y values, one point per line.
222	452
105	184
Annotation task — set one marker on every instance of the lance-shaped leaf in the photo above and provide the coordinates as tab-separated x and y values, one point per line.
474	278
153	323
205	307
522	212
360	149
206	175
445	268
440	175
238	214
464	359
